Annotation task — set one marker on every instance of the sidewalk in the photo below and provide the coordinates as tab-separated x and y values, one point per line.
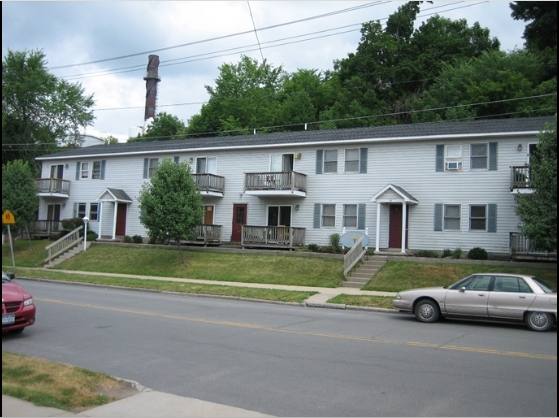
158	404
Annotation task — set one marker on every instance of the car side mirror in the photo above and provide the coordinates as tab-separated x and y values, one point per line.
463	289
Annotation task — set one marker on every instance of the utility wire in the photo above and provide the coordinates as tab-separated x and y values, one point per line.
255	31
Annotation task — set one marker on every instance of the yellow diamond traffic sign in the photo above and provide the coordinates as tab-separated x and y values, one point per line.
8	218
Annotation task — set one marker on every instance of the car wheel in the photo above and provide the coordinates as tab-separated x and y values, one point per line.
539	321
427	310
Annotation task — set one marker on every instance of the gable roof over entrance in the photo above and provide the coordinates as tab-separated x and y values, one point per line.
394	194
114	195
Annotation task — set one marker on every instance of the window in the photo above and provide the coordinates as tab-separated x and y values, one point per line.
279	216
329	215
205	165
331	161
151	165
453	157
350	216
478	156
81	210
478	217
451	218
84	171
352	160
96	172
94	212
511	284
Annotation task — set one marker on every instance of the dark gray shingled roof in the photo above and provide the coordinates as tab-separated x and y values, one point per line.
421	130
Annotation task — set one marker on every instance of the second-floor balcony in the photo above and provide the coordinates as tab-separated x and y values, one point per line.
210	184
520	179
53	188
282	183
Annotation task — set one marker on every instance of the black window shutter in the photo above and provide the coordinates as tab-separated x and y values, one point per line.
438	217
316	216
492	218
493	156
439	166
319	161
363	160
361	214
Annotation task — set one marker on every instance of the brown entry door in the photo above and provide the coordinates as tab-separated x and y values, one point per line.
239	219
395	231
121	219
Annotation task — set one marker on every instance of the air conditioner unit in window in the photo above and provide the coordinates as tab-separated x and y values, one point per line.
453	165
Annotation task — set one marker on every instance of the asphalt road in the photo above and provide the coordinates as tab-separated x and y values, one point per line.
295	361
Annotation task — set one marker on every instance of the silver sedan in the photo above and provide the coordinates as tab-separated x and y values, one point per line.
487	295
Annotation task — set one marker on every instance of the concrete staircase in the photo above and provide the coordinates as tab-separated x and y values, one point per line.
365	271
65	256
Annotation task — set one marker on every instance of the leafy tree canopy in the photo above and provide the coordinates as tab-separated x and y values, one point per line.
164	127
39	111
19	193
538	211
170	203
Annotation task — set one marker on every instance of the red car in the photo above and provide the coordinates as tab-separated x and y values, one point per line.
18	309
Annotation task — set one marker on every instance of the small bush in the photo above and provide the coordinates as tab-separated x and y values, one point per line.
91	235
137	239
457	253
313	248
335	242
72	223
447	252
477	253
427	253
127	239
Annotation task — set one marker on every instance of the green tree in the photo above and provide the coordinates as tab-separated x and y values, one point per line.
540	34
164	127
111	140
170	203
497	83
19	193
245	96
538	211
40	112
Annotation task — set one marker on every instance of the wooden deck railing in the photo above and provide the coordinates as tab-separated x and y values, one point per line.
520	246
519	177
41	228
283	180
281	236
354	255
51	186
210	182
64	244
209	234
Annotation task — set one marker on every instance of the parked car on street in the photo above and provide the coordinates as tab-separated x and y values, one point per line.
18	308
498	296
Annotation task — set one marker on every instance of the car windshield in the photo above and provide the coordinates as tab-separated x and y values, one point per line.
543	285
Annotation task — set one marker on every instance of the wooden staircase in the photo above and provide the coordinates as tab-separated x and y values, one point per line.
365	271
65	256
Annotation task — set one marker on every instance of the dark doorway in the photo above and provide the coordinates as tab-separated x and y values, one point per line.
395	227
239	220
121	219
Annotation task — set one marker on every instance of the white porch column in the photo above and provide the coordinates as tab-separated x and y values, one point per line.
100	218
377	233
404	210
114	220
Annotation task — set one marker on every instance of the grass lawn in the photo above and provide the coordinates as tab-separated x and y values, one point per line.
47	383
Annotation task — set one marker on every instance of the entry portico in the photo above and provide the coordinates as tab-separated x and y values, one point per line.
393	195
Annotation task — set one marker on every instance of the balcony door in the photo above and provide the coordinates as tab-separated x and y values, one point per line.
281	162
279	216
57	171
53	218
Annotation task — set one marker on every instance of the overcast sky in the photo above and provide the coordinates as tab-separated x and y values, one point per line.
194	38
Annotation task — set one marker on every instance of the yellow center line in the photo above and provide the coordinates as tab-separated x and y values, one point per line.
313	334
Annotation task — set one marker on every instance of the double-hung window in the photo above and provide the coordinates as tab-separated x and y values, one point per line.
331	161
84	171
478	156
94	211
478	217
328	215
350	216
81	210
451	218
96	171
453	157
352	160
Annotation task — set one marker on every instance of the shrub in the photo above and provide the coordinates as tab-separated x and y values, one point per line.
127	239
137	239
335	241
477	253
427	253
447	252
457	253
72	223
91	235
313	248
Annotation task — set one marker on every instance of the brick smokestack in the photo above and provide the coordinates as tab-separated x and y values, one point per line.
152	78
